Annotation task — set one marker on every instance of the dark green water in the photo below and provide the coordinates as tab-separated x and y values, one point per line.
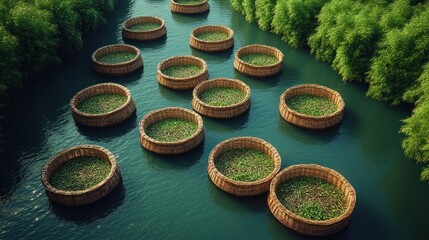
171	197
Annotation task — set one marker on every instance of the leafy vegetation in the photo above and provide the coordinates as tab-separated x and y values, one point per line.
116	57
259	59
222	96
311	198
102	103
213	36
80	173
189	2
382	42
171	130
311	105
182	71
244	164
142	27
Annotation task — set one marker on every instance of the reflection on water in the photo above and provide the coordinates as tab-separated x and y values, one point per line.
152	44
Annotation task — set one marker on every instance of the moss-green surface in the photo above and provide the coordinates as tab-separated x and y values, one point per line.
144	26
116	57
102	103
80	173
259	59
244	164
311	105
222	96
171	130
182	71
212	36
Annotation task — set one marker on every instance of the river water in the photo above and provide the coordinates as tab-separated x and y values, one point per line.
172	197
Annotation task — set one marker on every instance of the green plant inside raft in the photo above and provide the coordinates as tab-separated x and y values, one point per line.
142	27
102	103
182	71
259	59
171	130
222	96
311	105
116	57
213	36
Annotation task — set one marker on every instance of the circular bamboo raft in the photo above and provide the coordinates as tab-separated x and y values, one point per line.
239	188
307	226
104	119
89	195
182	83
255	70
143	35
307	121
171	147
220	111
211	46
189	8
119	68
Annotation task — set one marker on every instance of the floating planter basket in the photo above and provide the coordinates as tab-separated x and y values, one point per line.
142	34
303	225
176	147
221	111
103	119
116	69
240	188
86	196
215	44
180	83
258	70
308	121
178	7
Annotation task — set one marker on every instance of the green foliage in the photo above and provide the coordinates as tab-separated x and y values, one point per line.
264	11
244	164
37	37
249	10
237	5
9	71
182	71
213	36
259	59
416	127
116	57
143	27
399	60
295	20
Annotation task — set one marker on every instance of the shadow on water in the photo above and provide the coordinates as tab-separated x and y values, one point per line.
189	18
123	79
242	205
89	213
213	57
153	44
227	125
106	133
174	162
308	136
179	96
259	83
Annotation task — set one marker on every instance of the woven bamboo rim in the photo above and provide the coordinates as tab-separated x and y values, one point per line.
236	187
89	195
182	83
177	147
307	121
211	46
119	68
104	119
189	8
307	226
220	111
143	35
255	70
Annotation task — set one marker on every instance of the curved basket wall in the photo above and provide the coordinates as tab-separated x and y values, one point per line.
236	187
171	147
254	70
92	194
182	83
220	111
312	122
189	8
143	35
119	68
103	119
211	46
303	225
